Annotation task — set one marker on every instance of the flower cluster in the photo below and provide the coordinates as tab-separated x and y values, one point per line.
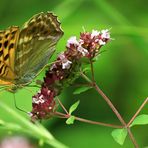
64	70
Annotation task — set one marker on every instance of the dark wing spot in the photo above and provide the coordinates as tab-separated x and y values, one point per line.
14	32
6	35
0	45
11	46
5	44
6	57
0	37
33	30
31	24
45	32
38	20
1	53
1	69
42	28
48	22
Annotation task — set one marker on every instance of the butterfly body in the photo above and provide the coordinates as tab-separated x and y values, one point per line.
24	52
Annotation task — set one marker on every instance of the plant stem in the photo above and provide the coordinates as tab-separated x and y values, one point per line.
62	106
138	111
67	115
113	109
88	121
98	123
117	114
110	104
92	71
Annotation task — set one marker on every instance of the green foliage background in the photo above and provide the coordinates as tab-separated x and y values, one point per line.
121	71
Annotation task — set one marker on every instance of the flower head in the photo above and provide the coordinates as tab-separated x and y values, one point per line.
64	71
43	104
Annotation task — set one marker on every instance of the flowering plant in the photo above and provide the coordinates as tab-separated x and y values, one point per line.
62	73
66	69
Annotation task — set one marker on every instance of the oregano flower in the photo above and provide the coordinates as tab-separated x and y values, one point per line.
64	70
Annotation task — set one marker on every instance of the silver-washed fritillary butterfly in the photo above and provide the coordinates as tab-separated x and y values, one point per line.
24	52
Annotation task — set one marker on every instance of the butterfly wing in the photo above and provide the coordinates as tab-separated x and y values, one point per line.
8	43
36	45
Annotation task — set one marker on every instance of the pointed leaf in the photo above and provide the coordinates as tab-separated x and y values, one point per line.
140	120
73	107
81	89
70	120
119	135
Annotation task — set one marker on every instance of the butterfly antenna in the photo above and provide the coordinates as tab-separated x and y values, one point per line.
17	106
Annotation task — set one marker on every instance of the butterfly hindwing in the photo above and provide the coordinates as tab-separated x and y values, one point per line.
36	44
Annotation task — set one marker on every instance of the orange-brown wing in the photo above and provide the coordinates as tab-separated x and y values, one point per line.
8	43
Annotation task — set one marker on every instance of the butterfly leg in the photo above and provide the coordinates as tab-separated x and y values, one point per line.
22	110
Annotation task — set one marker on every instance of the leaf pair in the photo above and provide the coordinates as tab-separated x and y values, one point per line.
71	119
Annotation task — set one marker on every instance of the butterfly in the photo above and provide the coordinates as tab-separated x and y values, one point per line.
24	52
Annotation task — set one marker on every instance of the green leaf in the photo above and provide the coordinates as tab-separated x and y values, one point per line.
73	107
70	120
140	120
81	89
119	135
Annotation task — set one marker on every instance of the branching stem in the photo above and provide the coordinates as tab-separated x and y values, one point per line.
88	121
110	105
138	111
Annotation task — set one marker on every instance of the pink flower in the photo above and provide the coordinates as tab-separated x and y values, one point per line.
105	34
94	33
72	41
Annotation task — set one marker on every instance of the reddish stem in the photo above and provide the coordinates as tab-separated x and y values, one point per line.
92	71
137	112
88	121
111	106
62	106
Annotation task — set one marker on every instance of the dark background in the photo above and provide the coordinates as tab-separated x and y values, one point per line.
121	71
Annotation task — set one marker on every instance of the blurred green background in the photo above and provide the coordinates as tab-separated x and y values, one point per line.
121	71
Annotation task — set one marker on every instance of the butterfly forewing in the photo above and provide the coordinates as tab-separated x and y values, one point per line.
8	43
36	45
